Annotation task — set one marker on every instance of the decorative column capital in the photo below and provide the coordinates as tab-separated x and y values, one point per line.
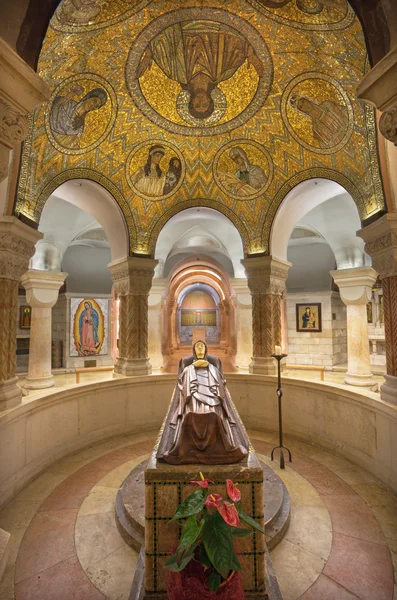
17	242
355	285
42	287
266	275
380	240
21	90
133	275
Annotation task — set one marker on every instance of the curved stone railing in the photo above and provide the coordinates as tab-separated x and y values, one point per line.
46	428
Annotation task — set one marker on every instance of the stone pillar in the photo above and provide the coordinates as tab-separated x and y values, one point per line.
17	242
21	90
266	278
243	310
355	287
381	245
155	322
42	289
132	279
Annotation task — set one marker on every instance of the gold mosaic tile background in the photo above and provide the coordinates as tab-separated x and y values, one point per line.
107	137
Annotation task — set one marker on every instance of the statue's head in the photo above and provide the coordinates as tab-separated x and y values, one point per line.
200	349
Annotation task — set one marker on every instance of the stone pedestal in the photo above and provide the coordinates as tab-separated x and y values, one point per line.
42	289
167	486
355	286
132	278
16	248
266	278
381	245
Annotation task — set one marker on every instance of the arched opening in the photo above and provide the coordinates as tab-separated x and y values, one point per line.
198	249
83	231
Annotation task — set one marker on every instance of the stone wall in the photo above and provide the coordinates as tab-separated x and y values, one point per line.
59	325
328	347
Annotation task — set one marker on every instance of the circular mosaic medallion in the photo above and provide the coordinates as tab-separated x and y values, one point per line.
155	170
312	15
80	114
317	112
78	16
200	75
243	169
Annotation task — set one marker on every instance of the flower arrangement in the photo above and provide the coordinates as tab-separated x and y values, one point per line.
208	534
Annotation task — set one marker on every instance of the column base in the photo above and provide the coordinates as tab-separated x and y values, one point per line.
388	391
365	381
10	394
261	365
133	367
39	383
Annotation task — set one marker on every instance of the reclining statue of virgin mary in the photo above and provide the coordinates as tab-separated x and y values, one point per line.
202	425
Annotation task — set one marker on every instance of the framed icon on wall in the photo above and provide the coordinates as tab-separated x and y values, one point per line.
25	317
308	317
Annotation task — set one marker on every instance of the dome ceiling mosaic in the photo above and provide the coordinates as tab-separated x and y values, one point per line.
225	104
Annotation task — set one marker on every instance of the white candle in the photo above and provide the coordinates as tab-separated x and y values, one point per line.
278	350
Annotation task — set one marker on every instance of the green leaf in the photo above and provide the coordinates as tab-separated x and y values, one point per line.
172	564
190	534
190	506
218	542
241	531
251	522
203	557
235	563
214	581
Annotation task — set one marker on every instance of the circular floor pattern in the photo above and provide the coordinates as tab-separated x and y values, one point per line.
71	549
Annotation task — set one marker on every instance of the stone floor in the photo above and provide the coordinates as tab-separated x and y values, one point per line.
341	543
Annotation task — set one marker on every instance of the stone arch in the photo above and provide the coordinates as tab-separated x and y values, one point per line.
198	203
122	213
318	173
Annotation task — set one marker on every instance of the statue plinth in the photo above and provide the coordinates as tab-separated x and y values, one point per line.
166	486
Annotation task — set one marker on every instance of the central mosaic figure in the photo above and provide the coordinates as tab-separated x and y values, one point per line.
202	425
199	55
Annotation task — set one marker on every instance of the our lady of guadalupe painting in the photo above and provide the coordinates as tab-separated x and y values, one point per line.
88	327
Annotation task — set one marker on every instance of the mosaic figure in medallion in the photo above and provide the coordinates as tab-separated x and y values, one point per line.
243	169
87	15
199	55
308	14
80	114
317	112
155	171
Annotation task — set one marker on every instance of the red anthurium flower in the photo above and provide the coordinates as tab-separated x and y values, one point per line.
213	500
204	483
228	513
232	491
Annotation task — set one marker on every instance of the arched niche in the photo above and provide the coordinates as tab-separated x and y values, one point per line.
95	200
324	206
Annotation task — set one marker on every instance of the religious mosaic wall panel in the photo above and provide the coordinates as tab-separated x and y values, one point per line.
169	105
88	326
243	170
155	170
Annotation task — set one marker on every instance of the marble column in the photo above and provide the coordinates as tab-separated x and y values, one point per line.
243	333
381	245
17	242
155	322
266	279
355	287
42	288
132	279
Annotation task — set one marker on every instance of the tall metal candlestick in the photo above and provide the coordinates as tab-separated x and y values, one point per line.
281	447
